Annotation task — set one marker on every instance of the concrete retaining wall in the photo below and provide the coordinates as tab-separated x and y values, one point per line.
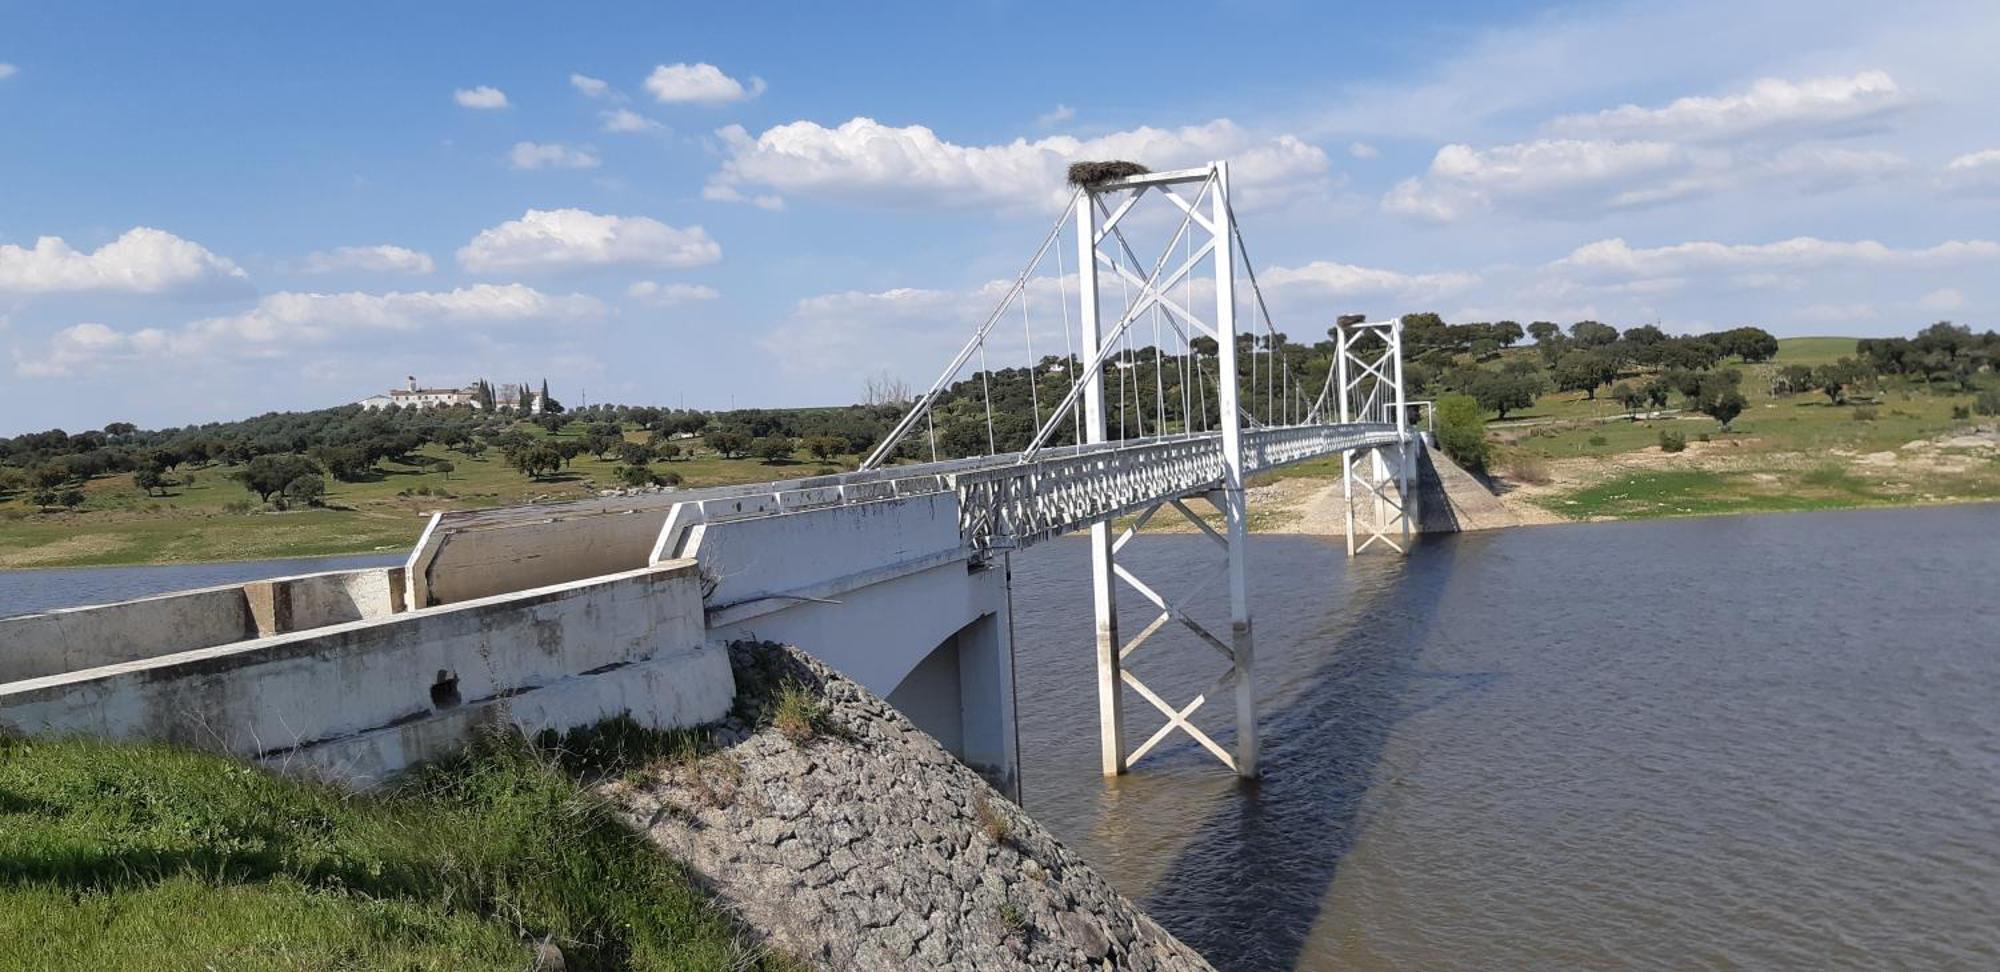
362	699
34	645
459	561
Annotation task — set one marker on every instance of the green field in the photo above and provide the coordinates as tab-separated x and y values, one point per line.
215	518
1785	452
142	857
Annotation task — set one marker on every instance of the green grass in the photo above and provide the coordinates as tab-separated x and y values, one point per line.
145	857
215	518
1695	492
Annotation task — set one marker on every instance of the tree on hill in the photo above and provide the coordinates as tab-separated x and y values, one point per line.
1461	430
1832	380
1501	392
268	476
1631	397
602	445
1592	334
727	443
1752	344
772	448
1542	331
150	479
536	462
1717	397
308	489
549	405
1793	379
635	453
1584	371
825	447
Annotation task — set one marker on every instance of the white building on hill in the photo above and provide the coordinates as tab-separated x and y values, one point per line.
411	396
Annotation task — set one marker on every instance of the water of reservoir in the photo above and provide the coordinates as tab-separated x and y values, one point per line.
1731	743
28	591
1736	743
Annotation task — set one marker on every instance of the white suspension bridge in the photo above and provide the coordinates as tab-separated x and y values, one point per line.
897	573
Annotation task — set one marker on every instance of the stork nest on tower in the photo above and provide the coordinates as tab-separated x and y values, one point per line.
1092	173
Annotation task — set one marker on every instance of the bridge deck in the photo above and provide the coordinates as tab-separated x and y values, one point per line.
1004	502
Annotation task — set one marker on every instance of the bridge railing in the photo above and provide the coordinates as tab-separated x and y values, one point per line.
1013	506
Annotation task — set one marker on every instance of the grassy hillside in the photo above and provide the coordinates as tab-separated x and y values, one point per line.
1584	459
215	518
143	857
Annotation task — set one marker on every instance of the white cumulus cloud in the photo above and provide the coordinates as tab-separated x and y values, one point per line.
142	261
556	239
484	96
89	347
1567	174
863	159
1974	173
7	70
1616	258
1323	277
626	120
1768	104
382	258
663	295
1055	116
1943	300
549	155
283	323
702	84
590	87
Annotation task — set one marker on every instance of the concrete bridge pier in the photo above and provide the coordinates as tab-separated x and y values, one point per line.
887	594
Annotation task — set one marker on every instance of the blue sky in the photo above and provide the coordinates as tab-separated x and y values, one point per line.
214	210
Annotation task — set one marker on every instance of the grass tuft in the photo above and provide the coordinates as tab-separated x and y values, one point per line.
797	713
998	828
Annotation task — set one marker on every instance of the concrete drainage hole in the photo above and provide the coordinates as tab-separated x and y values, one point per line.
444	693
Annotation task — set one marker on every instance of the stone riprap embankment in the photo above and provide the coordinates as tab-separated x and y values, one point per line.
854	841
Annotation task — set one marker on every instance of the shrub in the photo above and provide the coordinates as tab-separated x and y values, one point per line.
1598	440
1702	437
1863	414
1528	469
634	476
1672	441
1461	431
1960	412
1988	402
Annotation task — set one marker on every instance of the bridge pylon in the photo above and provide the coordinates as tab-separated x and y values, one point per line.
1207	231
1380	479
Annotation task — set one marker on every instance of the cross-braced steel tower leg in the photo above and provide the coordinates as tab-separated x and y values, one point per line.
1110	693
1235	506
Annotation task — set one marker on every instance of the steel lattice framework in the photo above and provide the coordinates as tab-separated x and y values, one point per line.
1008	501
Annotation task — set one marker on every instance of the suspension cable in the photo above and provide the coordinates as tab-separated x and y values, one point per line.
1069	345
991	447
929	398
1034	392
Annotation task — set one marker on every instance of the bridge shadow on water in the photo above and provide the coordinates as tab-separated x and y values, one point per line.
1247	889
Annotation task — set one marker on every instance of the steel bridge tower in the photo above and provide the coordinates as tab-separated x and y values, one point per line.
1098	211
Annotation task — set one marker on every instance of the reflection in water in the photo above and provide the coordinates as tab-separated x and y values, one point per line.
1752	742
